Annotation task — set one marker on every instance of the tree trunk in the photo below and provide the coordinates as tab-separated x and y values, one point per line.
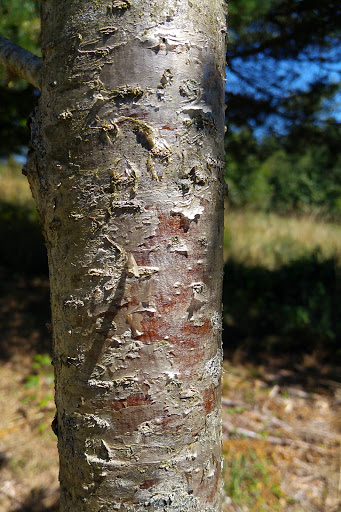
126	166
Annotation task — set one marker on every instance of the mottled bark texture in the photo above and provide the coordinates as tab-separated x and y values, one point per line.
126	166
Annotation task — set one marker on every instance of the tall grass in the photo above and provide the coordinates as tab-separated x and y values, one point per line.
269	240
14	187
282	283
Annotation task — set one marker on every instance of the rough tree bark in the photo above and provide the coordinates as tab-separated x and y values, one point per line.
126	167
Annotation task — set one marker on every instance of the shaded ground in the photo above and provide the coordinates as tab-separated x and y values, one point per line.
24	316
281	419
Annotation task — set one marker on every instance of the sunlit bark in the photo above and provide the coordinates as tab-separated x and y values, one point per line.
126	166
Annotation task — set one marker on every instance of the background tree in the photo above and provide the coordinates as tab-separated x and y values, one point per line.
283	78
126	167
284	62
283	156
283	93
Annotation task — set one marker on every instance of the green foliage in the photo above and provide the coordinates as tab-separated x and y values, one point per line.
283	27
241	12
298	173
38	386
249	481
41	362
32	381
40	375
282	283
19	21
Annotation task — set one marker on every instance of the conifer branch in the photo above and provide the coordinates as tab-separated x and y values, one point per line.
19	62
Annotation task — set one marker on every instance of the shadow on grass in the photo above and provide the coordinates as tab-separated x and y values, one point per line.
24	315
292	311
22	249
34	502
295	309
24	288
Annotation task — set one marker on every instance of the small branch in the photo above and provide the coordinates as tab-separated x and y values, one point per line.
20	62
229	428
233	403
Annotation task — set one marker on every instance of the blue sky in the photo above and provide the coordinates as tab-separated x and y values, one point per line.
263	76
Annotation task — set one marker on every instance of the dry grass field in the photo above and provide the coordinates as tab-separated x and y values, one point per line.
14	187
266	239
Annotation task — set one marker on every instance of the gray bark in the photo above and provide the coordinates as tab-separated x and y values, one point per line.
126	166
19	62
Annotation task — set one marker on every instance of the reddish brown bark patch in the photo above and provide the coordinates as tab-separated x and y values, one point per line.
147	484
210	397
169	225
133	400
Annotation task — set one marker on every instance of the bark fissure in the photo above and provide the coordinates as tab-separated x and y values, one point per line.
126	166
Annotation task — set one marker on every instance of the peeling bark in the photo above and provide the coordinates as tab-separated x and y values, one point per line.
126	166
